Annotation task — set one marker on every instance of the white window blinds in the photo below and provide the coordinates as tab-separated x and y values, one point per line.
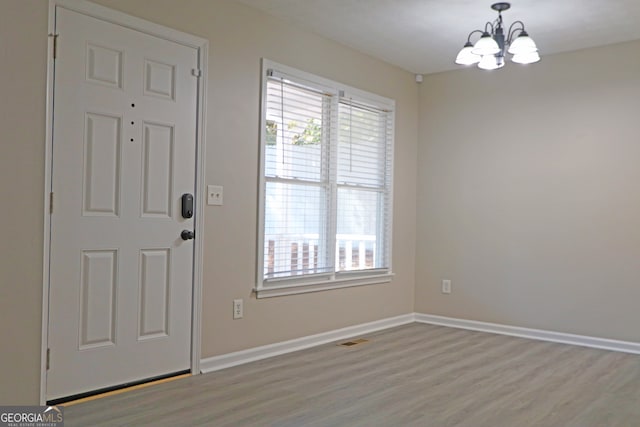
296	171
326	181
363	186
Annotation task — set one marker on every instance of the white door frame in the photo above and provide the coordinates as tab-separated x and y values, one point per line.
202	46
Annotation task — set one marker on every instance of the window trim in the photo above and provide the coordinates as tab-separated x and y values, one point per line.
316	286
322	281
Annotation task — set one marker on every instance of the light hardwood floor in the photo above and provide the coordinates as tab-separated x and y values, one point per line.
414	375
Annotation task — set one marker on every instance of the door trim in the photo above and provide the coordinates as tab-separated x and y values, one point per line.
202	46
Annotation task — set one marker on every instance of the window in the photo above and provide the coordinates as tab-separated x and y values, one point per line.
326	180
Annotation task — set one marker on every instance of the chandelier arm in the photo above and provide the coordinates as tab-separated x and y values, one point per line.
472	33
489	24
512	31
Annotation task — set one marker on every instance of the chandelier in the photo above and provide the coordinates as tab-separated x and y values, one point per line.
490	50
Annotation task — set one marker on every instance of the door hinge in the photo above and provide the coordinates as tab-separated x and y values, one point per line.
51	202
195	72
55	45
48	358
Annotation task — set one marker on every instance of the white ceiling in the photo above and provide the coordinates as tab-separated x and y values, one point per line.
424	36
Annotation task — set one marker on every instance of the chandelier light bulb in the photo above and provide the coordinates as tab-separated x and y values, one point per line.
491	62
523	44
486	45
526	58
466	56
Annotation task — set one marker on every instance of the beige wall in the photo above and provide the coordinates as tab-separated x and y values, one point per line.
239	36
529	194
23	61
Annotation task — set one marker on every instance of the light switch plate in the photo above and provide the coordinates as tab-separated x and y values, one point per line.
214	195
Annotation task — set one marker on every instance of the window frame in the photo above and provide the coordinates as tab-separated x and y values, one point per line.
336	279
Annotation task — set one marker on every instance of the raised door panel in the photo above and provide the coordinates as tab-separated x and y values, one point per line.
98	296
157	169
159	79
104	66
154	295
102	165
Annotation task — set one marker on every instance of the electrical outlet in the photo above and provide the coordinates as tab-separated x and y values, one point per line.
238	309
446	286
214	195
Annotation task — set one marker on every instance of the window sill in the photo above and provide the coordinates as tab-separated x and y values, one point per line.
325	285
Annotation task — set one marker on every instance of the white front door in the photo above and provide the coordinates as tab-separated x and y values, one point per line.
124	152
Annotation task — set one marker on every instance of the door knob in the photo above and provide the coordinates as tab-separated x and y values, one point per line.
187	234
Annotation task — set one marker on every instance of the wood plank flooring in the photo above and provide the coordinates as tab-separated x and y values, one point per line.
413	375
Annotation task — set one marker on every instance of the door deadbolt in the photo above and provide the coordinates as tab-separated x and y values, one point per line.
187	205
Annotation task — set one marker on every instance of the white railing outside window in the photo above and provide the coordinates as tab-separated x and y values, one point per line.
353	252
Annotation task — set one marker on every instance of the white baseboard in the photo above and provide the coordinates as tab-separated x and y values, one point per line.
228	360
536	334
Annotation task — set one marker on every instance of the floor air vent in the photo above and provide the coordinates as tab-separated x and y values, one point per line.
353	342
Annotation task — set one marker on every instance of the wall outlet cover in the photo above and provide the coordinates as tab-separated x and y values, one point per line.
446	286
238	309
